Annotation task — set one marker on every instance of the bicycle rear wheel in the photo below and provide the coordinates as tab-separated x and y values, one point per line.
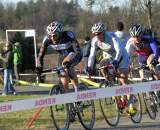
59	113
136	118
86	110
109	107
149	104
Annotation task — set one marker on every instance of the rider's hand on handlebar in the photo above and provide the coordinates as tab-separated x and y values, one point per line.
115	63
67	64
154	61
39	69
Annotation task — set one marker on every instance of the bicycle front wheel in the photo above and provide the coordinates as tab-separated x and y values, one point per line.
136	117
109	107
59	113
149	104
86	111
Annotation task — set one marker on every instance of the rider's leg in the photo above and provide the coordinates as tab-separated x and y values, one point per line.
123	79
104	72
142	61
71	72
74	78
141	74
123	75
65	80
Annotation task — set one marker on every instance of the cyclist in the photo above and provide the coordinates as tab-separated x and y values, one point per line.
145	47
65	43
113	52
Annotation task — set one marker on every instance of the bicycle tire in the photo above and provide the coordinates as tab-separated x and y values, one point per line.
110	104
149	108
136	118
57	89
86	109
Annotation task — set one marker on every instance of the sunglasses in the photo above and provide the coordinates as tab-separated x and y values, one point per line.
54	35
96	34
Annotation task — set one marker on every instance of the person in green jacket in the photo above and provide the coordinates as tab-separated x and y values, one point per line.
17	59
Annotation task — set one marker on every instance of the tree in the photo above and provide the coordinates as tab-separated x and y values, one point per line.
89	3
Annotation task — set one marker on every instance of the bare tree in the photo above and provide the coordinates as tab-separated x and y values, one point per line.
89	3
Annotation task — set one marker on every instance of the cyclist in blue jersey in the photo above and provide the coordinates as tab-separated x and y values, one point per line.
113	52
66	44
145	46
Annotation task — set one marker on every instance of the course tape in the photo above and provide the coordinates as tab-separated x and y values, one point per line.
79	76
26	104
99	77
94	84
34	84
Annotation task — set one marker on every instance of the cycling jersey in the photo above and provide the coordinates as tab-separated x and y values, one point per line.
112	49
146	47
66	46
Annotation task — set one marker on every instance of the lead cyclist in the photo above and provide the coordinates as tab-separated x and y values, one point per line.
66	44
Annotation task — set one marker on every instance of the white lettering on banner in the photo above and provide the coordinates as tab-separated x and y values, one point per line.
5	108
124	90
86	95
155	86
47	101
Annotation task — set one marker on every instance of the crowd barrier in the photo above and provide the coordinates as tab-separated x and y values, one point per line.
26	104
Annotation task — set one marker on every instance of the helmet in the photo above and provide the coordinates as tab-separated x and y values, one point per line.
98	27
54	27
136	30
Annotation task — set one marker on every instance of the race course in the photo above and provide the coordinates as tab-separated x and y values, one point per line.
124	124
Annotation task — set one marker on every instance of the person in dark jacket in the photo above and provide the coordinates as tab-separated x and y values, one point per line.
7	59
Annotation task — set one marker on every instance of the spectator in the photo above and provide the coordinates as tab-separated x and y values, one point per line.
86	48
86	52
17	59
121	34
7	60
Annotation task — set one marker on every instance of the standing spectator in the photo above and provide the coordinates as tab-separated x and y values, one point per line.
17	59
121	34
86	52
7	60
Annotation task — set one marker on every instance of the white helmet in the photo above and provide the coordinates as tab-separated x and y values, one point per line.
98	27
136	30
53	27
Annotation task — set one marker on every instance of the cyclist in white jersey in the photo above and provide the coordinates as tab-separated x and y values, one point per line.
113	52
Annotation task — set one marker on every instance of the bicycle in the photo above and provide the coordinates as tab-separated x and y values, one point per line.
111	107
63	114
151	99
